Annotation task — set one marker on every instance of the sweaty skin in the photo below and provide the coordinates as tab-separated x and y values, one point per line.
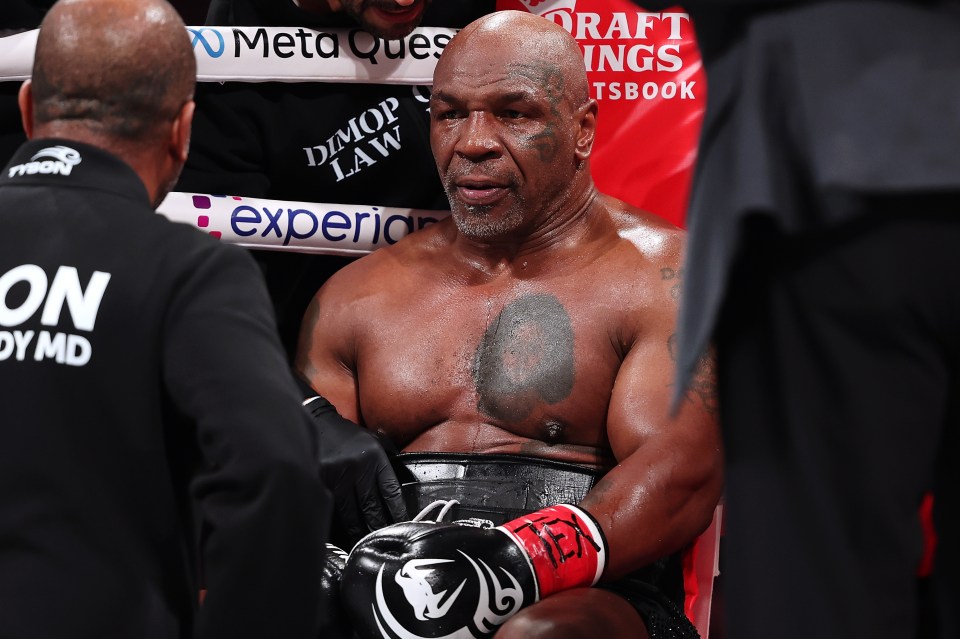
538	318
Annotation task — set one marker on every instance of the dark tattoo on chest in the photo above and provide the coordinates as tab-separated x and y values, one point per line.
525	358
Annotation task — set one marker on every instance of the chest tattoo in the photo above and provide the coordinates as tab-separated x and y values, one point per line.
525	358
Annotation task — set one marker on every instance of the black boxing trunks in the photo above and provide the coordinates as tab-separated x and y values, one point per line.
500	488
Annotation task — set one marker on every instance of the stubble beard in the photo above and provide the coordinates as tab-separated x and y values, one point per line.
478	223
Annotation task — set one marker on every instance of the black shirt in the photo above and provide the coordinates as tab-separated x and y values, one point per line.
140	369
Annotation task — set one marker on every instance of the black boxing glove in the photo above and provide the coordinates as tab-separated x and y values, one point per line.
355	467
333	622
428	579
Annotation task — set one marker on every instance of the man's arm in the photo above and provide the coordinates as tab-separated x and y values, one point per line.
324	351
664	489
353	462
264	510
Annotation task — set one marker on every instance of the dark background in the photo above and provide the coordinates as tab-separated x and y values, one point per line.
192	11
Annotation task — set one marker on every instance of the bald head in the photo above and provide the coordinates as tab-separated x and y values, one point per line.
529	41
115	69
512	126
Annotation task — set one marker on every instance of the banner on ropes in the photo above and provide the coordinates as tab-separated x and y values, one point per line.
645	71
302	227
284	54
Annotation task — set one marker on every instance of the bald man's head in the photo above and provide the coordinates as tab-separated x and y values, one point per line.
117	68
530	41
512	125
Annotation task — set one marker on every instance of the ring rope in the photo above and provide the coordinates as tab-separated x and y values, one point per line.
273	54
283	54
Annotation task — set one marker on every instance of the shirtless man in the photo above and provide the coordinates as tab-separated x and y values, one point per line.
524	324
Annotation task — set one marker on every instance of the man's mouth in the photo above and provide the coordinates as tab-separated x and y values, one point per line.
480	192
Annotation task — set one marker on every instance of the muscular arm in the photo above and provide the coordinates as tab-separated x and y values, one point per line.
664	489
323	355
352	461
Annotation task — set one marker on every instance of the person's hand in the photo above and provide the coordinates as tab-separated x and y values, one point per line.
356	469
428	579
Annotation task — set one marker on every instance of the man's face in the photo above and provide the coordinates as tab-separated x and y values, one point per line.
389	19
503	135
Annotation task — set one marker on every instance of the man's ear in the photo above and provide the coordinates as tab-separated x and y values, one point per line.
25	100
588	129
180	132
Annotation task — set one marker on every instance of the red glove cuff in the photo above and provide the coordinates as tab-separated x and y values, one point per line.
565	546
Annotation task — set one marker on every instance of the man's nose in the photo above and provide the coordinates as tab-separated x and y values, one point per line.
479	136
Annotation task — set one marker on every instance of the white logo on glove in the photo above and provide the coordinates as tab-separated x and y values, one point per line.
493	608
412	577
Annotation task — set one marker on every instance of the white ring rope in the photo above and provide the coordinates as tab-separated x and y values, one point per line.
302	227
283	54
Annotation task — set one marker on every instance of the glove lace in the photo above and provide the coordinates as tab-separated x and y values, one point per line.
446	504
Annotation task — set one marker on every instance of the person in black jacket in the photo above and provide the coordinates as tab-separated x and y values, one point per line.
824	224
270	139
152	441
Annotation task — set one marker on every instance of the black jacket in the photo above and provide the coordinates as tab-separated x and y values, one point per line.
814	108
141	381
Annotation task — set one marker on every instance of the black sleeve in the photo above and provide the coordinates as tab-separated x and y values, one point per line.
227	149
263	507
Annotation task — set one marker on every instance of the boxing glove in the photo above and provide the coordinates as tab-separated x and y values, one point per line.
427	579
333	622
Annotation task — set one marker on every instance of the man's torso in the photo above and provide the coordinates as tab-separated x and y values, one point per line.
514	363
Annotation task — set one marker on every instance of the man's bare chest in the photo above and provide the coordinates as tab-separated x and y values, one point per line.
533	363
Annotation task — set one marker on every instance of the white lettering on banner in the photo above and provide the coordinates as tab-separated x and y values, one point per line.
65	289
638	57
618	26
648	90
626	42
367	128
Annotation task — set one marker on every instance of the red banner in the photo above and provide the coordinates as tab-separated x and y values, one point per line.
645	71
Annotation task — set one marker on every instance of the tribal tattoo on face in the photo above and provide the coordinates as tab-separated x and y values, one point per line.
550	78
525	358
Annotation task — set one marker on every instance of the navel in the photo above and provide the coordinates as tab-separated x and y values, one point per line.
553	430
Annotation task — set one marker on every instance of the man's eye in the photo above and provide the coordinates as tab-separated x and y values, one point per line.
512	114
446	115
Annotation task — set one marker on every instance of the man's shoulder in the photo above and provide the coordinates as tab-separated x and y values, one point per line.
412	259
185	249
652	235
